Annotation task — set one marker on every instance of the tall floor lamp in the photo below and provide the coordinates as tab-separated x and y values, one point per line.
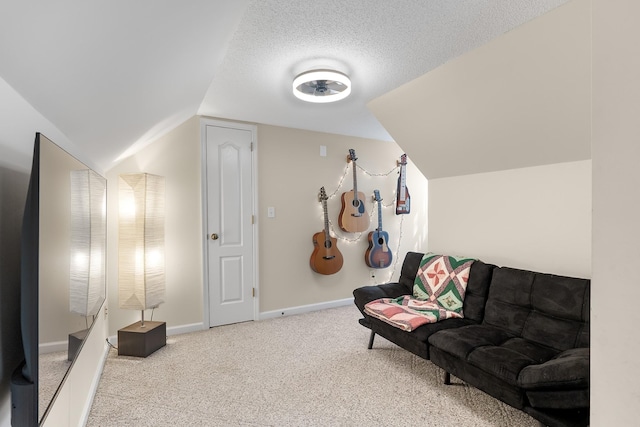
141	275
88	242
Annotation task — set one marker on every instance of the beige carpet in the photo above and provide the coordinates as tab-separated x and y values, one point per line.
308	370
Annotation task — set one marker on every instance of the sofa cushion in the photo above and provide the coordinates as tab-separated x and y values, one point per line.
492	350
460	342
477	290
560	311
546	309
508	305
443	280
506	360
569	369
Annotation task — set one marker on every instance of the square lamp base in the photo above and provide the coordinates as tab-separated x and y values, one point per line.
140	341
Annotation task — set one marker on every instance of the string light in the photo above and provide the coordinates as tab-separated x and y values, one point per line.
341	236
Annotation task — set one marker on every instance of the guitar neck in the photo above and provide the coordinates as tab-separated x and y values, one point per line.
327	236
379	216
355	183
403	183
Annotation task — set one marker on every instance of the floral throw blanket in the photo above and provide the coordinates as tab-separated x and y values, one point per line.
438	294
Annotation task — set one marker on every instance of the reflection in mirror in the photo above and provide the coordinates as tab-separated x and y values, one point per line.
88	215
72	249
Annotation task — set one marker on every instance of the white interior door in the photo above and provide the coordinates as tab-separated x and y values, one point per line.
229	220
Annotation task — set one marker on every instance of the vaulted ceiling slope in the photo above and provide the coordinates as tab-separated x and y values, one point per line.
521	100
114	75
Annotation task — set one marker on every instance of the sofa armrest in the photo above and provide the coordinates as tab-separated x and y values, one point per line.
367	294
569	369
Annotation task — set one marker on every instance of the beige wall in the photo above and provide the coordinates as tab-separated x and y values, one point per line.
521	100
176	156
615	375
536	218
291	173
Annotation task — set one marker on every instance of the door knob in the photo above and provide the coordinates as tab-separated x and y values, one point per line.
214	236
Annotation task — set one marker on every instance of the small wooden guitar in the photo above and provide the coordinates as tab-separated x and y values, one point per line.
326	258
353	217
403	200
378	255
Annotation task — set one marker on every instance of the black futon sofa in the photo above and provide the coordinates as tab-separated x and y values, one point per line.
524	338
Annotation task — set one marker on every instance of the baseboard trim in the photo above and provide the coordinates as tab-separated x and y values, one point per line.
304	309
185	329
94	385
289	311
53	347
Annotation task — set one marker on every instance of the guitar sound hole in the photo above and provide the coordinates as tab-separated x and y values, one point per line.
355	203
327	244
380	241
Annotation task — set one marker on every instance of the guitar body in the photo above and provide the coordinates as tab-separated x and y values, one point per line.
378	255
326	258
353	217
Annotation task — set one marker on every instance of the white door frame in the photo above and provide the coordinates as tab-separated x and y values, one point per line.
204	122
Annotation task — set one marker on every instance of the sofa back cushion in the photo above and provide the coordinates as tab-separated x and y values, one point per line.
477	290
410	268
477	286
544	308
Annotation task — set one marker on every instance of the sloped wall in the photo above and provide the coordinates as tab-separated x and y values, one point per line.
521	100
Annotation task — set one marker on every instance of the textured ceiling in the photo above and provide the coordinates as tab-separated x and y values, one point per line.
112	75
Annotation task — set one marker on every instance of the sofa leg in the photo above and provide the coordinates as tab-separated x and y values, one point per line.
447	378
373	335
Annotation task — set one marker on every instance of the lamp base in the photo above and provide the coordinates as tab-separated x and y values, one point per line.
75	341
140	341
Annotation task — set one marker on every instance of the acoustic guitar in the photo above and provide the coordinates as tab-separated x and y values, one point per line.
353	217
326	258
403	200
378	255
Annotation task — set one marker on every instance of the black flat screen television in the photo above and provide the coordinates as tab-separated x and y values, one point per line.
48	321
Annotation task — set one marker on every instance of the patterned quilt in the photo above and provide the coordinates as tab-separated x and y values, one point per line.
438	294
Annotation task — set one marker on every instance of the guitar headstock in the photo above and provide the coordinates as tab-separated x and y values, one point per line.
352	155
323	194
403	159
376	196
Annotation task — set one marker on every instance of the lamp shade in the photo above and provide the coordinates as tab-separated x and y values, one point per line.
88	242
141	275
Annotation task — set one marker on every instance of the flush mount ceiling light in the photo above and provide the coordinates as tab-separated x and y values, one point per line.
321	86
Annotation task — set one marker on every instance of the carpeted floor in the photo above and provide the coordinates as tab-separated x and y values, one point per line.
307	370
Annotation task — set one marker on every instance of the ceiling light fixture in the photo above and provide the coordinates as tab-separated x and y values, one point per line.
321	86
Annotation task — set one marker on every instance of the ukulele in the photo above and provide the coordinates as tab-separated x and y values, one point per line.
353	217
403	200
378	255
326	258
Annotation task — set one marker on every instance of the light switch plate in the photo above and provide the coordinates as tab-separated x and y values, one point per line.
271	212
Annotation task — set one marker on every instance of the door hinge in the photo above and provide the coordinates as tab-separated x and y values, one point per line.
253	219
253	292
252	146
